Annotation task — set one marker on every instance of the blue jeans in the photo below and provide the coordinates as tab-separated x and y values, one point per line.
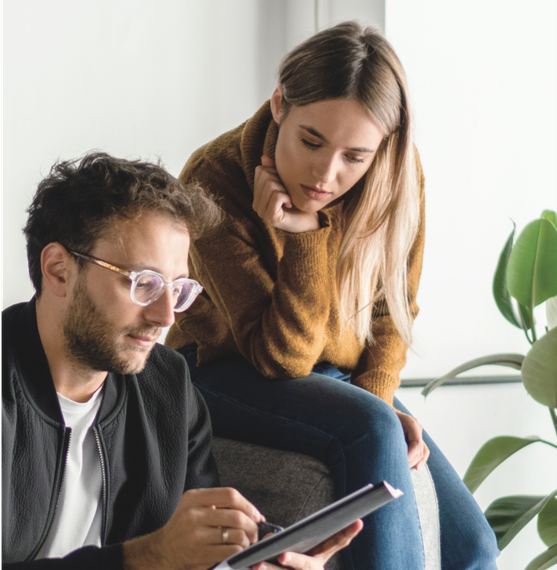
360	439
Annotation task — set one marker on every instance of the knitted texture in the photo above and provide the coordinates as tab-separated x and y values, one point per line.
270	295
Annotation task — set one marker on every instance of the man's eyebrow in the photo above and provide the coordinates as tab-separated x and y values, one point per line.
317	134
137	267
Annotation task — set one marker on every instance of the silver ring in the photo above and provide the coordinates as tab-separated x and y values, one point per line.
224	536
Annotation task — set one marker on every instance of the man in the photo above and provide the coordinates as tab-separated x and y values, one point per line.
106	458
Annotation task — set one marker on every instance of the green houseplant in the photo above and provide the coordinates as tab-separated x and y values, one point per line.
526	277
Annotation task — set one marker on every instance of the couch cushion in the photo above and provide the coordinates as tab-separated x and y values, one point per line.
287	486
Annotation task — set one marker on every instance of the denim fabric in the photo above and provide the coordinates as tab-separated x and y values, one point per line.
360	439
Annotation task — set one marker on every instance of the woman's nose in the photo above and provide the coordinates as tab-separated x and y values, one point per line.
324	170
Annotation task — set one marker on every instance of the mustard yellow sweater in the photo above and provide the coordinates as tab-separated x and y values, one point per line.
270	295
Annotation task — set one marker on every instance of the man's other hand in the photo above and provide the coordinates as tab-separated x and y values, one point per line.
319	555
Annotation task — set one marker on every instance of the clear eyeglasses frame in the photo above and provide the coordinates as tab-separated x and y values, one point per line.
147	285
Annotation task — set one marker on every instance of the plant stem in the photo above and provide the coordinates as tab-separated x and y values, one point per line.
534	337
553	415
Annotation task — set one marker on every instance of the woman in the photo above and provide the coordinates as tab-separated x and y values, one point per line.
310	286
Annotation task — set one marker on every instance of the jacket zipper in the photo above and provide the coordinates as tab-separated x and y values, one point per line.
67	440
103	476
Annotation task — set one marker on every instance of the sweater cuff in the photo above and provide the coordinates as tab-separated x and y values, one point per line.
380	384
306	252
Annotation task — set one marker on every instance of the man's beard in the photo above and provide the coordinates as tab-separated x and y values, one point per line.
90	337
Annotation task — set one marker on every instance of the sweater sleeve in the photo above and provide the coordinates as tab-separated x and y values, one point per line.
86	558
272	288
380	364
202	469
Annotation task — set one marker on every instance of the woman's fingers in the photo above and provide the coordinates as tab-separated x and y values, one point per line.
425	457
269	195
266	161
418	451
273	203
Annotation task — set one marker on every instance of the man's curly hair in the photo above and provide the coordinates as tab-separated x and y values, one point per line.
78	202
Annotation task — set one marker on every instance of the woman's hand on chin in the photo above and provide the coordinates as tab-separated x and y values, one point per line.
273	204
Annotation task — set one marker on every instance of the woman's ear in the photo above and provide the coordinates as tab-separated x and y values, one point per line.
56	269
276	104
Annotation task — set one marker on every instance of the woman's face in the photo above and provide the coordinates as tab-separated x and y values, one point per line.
323	149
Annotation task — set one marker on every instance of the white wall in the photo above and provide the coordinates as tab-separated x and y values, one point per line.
147	78
483	74
133	77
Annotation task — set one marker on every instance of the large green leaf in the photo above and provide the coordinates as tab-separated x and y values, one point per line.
532	267
510	359
551	216
492	454
507	516
547	523
500	292
545	560
539	370
527	318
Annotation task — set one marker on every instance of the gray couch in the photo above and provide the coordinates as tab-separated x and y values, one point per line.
287	486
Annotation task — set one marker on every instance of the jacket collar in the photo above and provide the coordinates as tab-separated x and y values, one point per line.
35	375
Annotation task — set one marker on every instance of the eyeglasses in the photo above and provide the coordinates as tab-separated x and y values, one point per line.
147	286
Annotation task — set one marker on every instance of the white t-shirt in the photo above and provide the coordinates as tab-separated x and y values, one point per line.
78	518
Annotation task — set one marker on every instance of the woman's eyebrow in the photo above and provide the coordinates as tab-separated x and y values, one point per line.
317	134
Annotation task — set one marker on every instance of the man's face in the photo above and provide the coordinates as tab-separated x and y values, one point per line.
104	330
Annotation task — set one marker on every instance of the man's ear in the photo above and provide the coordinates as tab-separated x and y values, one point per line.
57	266
276	104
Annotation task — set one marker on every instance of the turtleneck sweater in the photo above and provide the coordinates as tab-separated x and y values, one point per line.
271	295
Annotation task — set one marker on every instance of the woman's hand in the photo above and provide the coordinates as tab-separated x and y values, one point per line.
319	555
273	204
418	451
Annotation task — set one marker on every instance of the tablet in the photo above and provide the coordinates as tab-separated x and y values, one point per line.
313	530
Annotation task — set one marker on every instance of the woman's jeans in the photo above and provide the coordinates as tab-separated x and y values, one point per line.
360	439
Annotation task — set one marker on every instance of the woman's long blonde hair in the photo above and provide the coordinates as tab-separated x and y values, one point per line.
381	212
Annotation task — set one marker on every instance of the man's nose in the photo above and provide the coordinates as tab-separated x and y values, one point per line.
161	312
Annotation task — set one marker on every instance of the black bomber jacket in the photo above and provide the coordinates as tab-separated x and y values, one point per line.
153	435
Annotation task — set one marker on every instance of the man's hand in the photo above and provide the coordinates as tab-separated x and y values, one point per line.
273	204
418	451
319	555
208	526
